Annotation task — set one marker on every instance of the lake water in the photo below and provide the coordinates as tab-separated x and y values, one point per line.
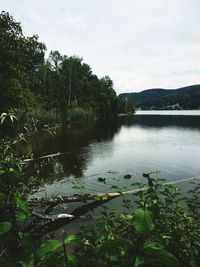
164	141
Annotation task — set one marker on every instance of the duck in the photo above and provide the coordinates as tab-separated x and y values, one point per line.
102	179
127	176
146	175
150	180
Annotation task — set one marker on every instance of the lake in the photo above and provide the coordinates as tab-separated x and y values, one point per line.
151	141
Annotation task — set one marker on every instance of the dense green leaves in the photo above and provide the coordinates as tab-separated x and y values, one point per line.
23	207
70	239
19	61
158	231
157	251
138	262
47	247
143	222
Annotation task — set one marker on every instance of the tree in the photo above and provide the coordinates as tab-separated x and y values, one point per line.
62	82
20	58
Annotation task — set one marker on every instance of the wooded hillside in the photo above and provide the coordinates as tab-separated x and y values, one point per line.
60	87
182	98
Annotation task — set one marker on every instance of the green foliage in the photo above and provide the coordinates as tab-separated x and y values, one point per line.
161	230
79	114
186	98
143	222
46	248
19	61
22	205
61	88
157	251
70	239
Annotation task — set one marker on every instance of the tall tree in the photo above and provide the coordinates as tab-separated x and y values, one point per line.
19	61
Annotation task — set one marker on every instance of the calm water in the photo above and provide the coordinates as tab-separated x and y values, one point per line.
169	112
169	144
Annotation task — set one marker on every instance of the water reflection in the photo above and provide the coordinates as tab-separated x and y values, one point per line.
165	121
170	144
75	144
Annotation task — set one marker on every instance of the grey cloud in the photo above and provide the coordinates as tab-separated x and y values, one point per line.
140	44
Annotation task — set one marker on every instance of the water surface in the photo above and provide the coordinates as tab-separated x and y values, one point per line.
169	144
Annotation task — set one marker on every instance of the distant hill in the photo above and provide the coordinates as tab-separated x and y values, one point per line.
181	98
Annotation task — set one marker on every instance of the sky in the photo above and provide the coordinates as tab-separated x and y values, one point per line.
140	44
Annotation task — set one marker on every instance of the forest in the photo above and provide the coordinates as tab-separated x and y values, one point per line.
162	99
56	88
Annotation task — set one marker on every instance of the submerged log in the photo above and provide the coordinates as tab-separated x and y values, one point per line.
76	198
84	198
78	213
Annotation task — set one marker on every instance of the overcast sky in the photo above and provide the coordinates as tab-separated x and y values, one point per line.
140	44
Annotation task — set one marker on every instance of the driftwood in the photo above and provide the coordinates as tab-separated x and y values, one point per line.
44	157
76	198
78	213
54	222
50	203
53	217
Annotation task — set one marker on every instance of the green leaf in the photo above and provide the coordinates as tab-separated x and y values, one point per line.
152	245
71	258
14	171
70	239
113	258
48	246
143	222
5	227
138	262
21	217
22	205
129	216
158	251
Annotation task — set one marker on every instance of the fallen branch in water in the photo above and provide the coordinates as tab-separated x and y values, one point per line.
100	196
59	220
75	198
44	157
78	213
52	217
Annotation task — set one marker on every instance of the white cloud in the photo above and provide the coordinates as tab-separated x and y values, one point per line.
140	44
